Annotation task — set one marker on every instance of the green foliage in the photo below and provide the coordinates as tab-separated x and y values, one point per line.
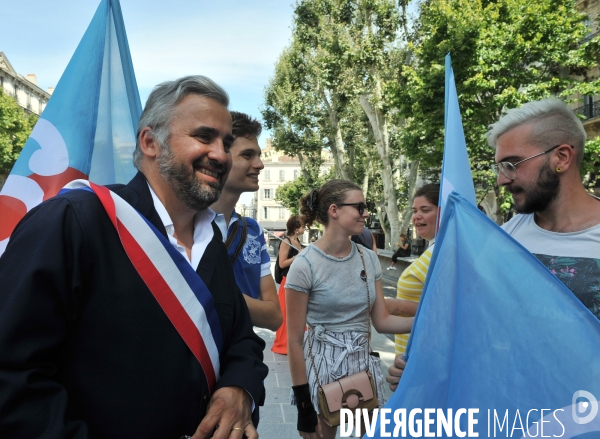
318	77
590	166
293	111
15	127
504	53
289	194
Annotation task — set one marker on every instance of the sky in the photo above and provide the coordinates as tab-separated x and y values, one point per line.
234	42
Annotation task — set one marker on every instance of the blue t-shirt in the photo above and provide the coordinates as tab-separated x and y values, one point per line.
253	262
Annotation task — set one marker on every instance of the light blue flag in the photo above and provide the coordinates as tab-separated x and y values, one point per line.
498	333
88	127
497	339
456	170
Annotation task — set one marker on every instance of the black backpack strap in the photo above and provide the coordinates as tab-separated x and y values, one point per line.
243	238
232	235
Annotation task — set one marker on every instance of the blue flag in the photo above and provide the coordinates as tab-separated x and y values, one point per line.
88	127
456	170
497	333
500	347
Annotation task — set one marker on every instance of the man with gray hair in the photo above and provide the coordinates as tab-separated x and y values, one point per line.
539	150
93	342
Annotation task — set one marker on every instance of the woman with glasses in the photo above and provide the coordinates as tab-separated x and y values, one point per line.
328	287
288	250
411	281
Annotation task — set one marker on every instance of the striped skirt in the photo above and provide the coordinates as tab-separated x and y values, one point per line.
338	354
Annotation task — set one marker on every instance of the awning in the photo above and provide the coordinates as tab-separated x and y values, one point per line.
273	225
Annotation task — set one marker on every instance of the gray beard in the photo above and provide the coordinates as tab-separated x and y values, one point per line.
194	194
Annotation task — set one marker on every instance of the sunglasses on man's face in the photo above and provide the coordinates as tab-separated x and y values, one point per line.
361	207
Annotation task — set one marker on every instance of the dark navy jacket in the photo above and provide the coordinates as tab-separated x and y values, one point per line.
86	350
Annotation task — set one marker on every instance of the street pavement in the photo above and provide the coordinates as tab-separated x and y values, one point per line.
278	416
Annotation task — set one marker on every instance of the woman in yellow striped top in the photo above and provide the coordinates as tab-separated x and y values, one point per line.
411	281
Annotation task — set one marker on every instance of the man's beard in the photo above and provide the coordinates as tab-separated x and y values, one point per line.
539	197
193	193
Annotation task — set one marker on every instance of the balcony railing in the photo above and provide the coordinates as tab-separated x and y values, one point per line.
590	111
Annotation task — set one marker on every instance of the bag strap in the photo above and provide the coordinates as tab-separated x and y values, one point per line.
362	259
291	246
238	250
232	235
312	358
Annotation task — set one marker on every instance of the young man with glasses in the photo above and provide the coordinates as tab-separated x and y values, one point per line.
539	149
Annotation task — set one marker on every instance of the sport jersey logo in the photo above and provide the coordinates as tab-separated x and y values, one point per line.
251	250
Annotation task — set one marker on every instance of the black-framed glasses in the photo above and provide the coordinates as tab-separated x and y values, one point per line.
509	170
361	207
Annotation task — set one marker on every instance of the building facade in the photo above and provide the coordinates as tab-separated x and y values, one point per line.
589	105
279	169
23	89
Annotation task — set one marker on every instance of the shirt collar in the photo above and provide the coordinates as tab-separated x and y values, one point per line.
202	217
220	222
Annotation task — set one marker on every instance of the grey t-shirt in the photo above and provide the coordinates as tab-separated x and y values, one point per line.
573	257
337	294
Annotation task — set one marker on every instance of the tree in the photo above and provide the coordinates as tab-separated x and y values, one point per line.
322	36
308	100
375	29
15	127
303	106
590	165
289	194
504	53
346	43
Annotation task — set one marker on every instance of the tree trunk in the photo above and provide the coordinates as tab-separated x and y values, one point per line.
379	125
365	184
412	187
304	171
337	147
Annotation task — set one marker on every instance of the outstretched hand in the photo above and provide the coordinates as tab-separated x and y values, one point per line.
395	372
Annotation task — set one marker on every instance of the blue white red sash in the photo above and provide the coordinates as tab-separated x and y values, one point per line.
175	285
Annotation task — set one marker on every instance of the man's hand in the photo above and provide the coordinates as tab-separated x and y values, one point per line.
230	410
395	372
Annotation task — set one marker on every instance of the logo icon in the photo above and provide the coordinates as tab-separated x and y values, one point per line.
579	407
252	250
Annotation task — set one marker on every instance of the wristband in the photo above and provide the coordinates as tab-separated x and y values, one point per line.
307	416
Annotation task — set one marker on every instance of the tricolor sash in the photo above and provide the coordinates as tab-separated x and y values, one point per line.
179	290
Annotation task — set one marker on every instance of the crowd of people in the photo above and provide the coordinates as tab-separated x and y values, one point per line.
112	330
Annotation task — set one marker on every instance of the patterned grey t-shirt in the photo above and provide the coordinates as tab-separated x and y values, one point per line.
574	258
